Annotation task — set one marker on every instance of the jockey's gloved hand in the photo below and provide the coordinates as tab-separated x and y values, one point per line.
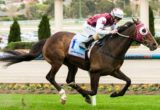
113	31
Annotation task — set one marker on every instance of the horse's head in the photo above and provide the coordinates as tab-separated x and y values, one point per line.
144	36
138	32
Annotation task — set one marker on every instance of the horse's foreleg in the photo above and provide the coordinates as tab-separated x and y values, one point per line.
71	82
94	83
120	75
94	87
51	78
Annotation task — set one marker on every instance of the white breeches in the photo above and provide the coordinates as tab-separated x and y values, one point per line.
89	30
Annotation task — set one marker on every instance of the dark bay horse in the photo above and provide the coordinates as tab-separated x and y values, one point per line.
104	60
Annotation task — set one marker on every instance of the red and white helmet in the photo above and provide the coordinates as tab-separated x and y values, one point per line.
117	12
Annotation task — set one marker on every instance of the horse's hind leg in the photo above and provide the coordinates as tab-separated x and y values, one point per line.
120	75
51	78
71	82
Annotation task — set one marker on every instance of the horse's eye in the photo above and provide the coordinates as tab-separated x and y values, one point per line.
143	31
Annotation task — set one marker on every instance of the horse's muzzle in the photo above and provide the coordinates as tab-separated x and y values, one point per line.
153	46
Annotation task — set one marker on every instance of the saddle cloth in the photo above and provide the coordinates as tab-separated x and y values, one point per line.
74	48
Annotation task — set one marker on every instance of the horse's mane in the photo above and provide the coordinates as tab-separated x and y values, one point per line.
120	30
125	26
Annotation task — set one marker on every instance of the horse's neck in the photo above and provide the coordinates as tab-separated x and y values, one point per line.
117	47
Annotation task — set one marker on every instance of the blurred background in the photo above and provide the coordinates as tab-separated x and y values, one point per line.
71	15
24	22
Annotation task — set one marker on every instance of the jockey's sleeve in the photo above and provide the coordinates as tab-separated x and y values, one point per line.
100	26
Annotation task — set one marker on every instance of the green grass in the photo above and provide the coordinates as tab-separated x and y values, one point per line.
76	102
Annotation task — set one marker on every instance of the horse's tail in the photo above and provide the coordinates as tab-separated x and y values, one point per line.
17	57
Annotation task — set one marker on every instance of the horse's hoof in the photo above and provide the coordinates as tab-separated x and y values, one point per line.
88	100
114	94
63	101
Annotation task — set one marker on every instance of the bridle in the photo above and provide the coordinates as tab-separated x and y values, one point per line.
137	36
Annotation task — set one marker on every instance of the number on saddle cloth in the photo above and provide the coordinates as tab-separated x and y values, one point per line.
74	48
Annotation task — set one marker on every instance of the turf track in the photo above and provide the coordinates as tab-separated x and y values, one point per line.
76	102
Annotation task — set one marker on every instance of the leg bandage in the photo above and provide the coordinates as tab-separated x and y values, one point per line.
63	94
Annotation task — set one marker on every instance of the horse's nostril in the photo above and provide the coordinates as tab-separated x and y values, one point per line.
154	44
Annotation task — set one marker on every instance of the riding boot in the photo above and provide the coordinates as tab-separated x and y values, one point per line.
86	43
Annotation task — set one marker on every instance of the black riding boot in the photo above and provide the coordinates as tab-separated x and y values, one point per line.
86	43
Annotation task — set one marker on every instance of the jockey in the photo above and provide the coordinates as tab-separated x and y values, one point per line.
96	25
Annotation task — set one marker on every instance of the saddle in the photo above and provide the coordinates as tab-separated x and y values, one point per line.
100	42
75	50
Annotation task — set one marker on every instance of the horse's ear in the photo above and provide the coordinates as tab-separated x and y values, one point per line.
134	20
138	21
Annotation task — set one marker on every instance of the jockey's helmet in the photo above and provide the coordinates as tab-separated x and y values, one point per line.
117	12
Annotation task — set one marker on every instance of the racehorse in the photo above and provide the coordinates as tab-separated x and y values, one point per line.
104	60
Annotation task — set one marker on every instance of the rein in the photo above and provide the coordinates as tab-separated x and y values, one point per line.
137	36
126	36
122	35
